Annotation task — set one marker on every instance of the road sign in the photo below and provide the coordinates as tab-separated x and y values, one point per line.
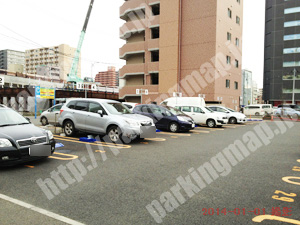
37	91
47	93
137	91
146	92
79	86
1	80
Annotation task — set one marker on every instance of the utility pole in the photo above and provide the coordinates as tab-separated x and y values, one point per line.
294	82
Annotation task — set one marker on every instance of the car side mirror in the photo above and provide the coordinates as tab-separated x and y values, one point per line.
100	112
28	119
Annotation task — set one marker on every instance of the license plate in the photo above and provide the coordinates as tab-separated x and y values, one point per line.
40	150
148	132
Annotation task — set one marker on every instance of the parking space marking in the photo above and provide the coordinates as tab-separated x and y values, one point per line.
261	218
28	166
145	143
232	127
71	157
100	151
97	143
208	128
40	210
175	134
200	131
174	137
155	139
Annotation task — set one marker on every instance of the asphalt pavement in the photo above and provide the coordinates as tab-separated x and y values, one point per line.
114	184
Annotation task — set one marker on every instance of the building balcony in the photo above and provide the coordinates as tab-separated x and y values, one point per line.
130	6
132	48
127	91
132	69
138	26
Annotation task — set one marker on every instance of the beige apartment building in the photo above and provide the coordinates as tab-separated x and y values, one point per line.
60	56
190	47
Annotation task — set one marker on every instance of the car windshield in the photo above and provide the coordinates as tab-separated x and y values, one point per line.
174	111
9	117
231	110
117	108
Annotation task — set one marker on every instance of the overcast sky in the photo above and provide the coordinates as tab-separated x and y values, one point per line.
26	24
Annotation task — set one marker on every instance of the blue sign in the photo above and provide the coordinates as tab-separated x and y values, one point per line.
37	91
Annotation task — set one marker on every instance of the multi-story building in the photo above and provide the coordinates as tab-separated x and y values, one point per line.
190	47
247	90
12	60
255	93
282	48
260	95
60	56
108	78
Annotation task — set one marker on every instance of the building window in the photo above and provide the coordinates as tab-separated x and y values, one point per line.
292	10
291	64
292	23
229	13
238	1
228	59
228	36
154	78
236	63
155	32
227	83
237	42
154	56
238	20
291	50
291	37
236	85
156	10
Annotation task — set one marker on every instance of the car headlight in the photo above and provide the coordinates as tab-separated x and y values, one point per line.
133	123
5	143
50	135
183	119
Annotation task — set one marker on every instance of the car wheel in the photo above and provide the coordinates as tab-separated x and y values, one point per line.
44	121
232	120
295	117
257	114
114	134
211	123
69	128
174	127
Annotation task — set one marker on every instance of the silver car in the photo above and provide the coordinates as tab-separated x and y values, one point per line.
51	115
105	117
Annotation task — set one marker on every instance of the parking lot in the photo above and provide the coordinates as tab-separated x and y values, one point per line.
122	184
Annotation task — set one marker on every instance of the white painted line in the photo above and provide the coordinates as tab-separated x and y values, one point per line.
40	210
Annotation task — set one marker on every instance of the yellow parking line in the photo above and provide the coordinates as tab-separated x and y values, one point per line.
174	137
232	127
98	143
29	166
71	157
200	131
173	134
210	128
145	143
155	139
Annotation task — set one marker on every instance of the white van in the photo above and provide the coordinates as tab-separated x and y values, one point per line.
257	110
184	101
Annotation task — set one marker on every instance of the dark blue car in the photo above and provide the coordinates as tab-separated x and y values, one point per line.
166	118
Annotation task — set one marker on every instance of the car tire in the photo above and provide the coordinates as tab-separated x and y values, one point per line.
257	114
69	128
220	126
174	127
114	134
295	117
44	121
211	123
232	120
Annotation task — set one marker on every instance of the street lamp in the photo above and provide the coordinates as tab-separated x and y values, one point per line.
294	83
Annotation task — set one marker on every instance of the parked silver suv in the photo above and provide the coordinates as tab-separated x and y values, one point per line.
104	117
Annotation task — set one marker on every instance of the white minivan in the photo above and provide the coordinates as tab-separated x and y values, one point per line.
257	110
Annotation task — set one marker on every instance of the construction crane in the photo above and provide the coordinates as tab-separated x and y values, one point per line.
72	77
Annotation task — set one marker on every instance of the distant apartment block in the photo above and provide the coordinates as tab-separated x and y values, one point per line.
12	60
190	47
108	78
247	88
60	56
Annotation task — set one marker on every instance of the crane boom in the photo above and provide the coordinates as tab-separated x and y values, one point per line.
74	69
